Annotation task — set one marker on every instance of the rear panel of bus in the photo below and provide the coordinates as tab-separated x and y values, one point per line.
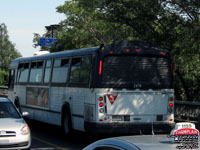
134	106
134	85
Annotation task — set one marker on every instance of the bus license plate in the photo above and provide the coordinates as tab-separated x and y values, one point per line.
116	118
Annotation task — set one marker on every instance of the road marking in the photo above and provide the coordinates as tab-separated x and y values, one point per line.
54	145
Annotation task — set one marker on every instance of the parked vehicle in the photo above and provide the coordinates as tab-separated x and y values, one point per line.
14	131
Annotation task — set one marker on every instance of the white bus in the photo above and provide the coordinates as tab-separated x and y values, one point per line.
124	87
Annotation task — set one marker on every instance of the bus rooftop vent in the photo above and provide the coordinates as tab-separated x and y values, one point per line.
40	53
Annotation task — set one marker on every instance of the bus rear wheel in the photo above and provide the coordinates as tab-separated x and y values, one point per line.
67	126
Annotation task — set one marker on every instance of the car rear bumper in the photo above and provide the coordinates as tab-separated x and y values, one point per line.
128	128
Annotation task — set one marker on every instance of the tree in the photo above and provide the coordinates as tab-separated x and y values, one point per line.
171	24
7	50
86	28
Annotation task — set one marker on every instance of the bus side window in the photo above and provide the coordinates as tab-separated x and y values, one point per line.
23	70
80	70
36	72
60	70
75	70
47	72
85	70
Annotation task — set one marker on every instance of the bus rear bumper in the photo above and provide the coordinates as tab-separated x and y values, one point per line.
128	128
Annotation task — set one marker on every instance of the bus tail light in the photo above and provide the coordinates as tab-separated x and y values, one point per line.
100	98
101	104
170	105
110	52
100	67
128	50
137	50
172	66
162	53
171	99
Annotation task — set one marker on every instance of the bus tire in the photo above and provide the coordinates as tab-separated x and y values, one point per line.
67	125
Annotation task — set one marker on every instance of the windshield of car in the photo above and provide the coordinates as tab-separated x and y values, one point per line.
7	110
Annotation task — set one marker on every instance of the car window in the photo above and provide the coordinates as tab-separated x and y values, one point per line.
7	110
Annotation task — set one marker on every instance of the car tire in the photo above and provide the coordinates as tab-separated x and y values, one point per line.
67	125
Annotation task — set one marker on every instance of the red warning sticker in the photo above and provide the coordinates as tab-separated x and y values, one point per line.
112	98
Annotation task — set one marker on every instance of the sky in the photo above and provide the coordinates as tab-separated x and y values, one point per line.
25	17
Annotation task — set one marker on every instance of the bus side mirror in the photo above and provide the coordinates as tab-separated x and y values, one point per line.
25	114
5	80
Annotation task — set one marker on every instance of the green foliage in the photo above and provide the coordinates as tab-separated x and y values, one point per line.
3	73
187	59
7	49
171	24
86	28
7	52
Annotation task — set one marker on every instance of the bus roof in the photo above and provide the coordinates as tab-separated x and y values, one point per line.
116	46
83	51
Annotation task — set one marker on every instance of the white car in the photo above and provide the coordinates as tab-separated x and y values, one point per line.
14	131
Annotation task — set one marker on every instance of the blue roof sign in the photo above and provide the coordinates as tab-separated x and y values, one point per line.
46	41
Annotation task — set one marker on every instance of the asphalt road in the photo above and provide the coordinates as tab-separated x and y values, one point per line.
50	137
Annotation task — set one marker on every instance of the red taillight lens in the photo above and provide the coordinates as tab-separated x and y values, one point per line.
137	50
100	67
110	52
162	53
101	104
171	99
100	98
172	69
128	50
170	105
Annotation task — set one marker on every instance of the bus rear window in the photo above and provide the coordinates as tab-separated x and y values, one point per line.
136	72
